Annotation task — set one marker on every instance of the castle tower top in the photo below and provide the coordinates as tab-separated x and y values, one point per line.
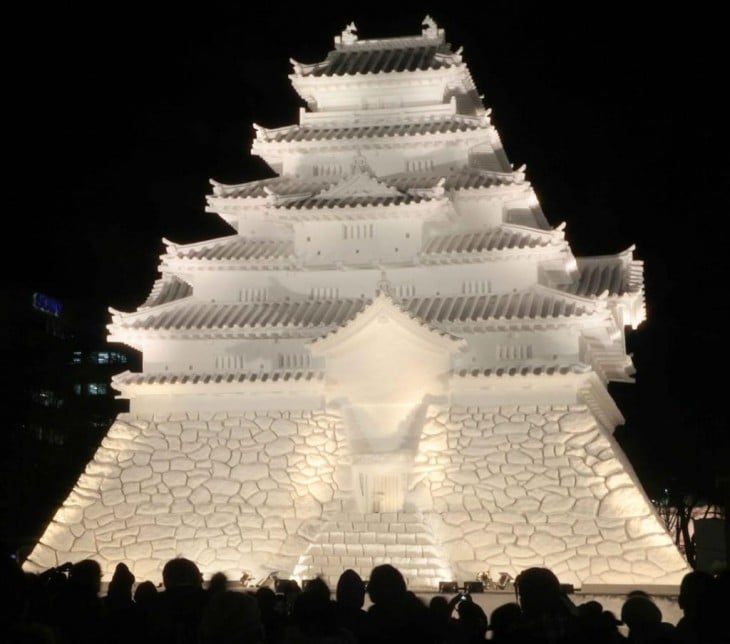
351	55
349	36
418	74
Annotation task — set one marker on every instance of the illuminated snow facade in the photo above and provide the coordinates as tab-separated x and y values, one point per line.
394	358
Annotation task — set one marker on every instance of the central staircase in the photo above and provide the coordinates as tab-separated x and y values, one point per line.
362	541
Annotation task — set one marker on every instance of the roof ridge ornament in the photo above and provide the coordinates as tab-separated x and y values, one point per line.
218	188
384	286
360	165
430	29
520	173
360	182
348	35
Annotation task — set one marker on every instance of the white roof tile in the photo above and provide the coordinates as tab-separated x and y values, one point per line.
193	315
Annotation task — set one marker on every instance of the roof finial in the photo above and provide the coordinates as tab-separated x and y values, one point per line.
348	36
360	165
384	285
430	28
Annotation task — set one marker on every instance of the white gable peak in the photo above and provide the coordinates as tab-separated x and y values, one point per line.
385	357
384	309
359	184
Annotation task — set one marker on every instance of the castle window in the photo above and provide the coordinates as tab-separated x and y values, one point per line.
514	352
254	294
419	165
475	287
324	292
358	231
229	362
327	170
293	360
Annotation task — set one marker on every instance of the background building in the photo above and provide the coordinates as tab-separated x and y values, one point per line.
59	404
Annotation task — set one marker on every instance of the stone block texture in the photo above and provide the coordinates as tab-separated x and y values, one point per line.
498	489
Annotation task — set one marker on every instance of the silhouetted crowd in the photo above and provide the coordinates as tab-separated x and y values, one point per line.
66	605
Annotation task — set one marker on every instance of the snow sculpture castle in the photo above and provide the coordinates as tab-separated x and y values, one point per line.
394	358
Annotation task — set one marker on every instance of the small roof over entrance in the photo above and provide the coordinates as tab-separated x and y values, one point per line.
385	355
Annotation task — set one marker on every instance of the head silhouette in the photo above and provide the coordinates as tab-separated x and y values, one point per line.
119	593
694	591
472	620
218	582
386	584
181	573
538	590
145	593
123	579
505	620
86	575
640	613
350	589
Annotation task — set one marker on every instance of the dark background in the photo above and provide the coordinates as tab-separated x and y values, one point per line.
118	114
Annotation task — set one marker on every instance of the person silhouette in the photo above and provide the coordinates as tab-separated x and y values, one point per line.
397	614
547	614
349	602
179	606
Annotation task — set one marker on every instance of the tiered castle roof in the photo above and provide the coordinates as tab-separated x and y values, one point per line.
398	92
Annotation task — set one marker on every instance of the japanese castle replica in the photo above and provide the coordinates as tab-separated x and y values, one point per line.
393	358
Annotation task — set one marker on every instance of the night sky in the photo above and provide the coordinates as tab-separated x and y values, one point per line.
118	116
